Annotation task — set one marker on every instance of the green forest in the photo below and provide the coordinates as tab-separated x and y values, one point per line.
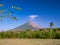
38	34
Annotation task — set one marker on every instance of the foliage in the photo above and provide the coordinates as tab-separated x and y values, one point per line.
42	34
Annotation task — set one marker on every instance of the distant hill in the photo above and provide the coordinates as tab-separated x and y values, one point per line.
28	25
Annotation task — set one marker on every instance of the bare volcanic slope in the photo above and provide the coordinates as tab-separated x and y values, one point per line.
28	25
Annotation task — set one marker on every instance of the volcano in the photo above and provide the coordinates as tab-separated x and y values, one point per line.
28	25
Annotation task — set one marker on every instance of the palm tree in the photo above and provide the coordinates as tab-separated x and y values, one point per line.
51	26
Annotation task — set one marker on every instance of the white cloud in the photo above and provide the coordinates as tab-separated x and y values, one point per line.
33	17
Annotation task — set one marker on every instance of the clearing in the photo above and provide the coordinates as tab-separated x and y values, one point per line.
29	41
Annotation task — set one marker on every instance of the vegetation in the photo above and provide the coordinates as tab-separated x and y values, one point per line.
41	34
51	26
29	42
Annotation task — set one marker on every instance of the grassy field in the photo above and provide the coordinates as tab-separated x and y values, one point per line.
29	42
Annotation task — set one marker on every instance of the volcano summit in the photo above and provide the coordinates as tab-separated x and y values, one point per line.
28	25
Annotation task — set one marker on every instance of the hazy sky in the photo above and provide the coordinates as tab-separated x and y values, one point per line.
46	11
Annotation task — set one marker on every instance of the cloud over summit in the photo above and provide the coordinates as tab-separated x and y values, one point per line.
33	17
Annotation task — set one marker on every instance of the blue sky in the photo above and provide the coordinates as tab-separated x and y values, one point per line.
47	11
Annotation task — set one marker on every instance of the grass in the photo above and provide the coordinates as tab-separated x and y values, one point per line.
29	42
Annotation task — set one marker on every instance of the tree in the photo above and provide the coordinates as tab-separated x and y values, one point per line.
51	26
28	30
9	14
